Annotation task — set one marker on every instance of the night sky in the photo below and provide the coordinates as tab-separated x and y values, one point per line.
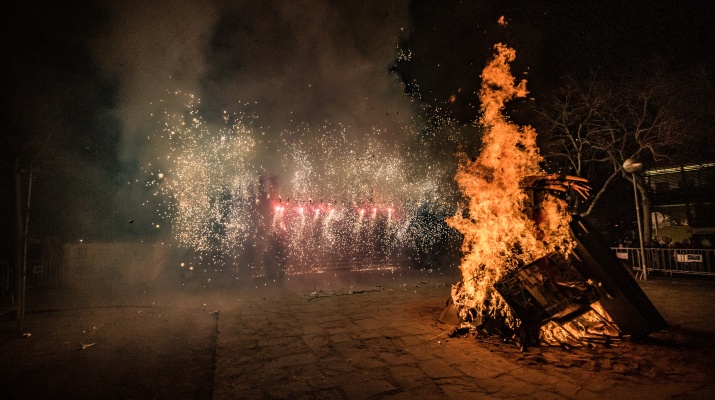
94	72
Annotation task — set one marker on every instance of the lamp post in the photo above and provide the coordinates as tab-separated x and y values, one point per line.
632	166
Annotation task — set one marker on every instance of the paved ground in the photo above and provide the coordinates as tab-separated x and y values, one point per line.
361	336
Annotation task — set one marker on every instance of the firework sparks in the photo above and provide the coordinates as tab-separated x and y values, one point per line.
323	198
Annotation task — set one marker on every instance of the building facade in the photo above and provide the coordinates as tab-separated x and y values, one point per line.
683	203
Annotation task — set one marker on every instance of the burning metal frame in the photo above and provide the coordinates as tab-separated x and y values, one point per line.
585	298
532	272
588	297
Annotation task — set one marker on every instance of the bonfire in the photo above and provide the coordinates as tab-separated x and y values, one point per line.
520	276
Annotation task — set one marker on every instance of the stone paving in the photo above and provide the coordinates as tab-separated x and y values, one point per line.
355	336
384	342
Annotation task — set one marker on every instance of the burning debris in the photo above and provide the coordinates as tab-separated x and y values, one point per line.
83	346
530	272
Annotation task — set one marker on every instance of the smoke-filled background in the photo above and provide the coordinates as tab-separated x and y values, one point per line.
287	65
339	103
182	121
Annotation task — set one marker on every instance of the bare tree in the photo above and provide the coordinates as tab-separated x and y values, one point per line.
592	128
22	155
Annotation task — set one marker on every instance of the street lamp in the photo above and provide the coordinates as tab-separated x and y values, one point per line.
632	166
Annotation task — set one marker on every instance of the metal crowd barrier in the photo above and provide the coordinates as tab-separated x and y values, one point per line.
669	260
44	272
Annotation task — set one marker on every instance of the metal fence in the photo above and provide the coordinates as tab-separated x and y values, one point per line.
670	261
44	272
39	273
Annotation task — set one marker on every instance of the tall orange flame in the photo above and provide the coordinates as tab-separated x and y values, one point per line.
499	228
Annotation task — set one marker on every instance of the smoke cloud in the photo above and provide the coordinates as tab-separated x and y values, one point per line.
288	62
229	93
151	49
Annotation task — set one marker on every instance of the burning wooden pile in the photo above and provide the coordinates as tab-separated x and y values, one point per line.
531	272
587	297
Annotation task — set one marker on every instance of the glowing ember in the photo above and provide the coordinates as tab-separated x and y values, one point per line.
500	231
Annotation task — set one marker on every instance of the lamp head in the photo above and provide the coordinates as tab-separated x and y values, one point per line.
632	165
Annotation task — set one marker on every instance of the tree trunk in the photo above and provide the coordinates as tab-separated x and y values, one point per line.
647	220
601	192
18	239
